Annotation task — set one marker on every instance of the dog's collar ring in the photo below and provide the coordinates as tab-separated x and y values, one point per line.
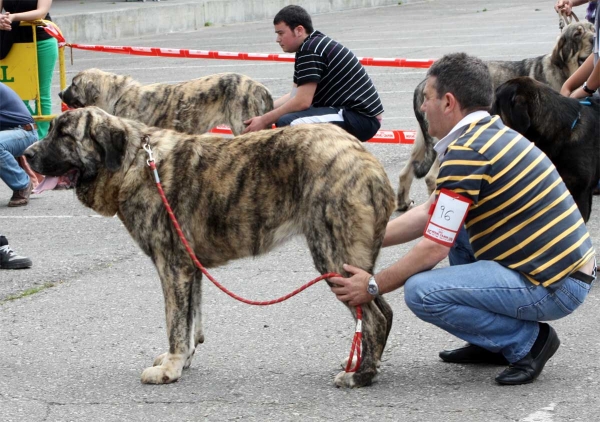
148	149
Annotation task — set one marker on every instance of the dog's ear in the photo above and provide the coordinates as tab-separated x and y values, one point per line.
567	44
519	114
112	144
558	54
91	92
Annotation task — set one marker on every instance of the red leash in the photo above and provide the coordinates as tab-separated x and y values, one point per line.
357	340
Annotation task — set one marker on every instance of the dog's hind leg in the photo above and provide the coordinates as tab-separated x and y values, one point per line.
431	177
352	238
423	158
403	201
177	278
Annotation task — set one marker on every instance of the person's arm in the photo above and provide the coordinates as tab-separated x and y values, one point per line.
578	77
425	255
409	226
422	257
592	83
567	5
43	7
300	101
4	22
284	99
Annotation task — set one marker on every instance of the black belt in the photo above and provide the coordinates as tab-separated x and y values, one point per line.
586	278
29	127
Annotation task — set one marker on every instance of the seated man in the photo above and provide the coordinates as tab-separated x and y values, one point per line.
17	131
330	84
520	252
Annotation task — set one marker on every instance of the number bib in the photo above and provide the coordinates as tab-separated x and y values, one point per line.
448	216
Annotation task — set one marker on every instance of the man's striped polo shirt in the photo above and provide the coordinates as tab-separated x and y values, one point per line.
341	80
522	215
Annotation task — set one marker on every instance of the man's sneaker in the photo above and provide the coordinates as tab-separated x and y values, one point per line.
9	260
21	197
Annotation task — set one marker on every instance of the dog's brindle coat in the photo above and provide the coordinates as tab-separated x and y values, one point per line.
565	129
234	198
194	106
574	45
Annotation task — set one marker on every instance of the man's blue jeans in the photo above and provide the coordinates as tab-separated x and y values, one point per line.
489	305
13	143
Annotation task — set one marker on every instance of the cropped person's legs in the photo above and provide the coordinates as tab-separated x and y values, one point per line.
47	55
12	144
9	260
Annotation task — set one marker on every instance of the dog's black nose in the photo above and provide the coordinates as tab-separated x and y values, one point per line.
60	94
29	154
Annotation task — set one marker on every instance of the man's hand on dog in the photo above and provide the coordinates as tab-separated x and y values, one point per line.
565	6
254	124
352	290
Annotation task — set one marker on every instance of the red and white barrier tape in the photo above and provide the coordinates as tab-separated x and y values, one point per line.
381	137
227	55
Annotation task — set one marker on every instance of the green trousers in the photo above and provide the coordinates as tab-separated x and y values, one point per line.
47	55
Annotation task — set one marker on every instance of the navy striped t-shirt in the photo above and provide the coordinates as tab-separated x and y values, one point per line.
341	79
522	215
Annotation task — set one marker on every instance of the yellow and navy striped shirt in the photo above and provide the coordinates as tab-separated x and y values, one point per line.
522	215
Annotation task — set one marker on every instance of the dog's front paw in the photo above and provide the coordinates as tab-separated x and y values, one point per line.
167	368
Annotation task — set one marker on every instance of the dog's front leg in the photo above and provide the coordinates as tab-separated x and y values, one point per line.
177	280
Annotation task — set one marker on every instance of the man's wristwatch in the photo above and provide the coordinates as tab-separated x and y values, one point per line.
588	90
373	288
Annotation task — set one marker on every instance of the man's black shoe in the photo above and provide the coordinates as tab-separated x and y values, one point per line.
529	368
473	354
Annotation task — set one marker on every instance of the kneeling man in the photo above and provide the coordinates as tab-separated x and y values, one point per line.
519	250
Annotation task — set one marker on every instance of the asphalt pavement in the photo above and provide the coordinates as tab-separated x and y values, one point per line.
80	326
93	20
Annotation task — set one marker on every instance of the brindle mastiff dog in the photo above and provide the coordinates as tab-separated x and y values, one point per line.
234	198
573	46
566	129
195	106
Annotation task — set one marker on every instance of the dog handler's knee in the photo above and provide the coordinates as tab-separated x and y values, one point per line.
414	294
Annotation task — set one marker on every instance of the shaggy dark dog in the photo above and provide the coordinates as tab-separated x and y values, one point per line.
566	129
